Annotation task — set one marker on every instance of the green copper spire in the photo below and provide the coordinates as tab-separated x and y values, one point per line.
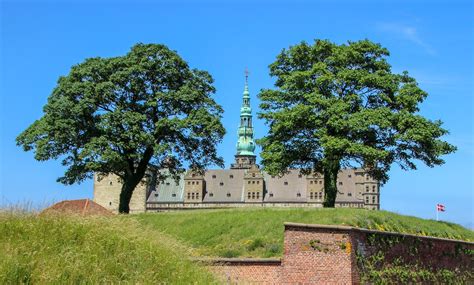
245	143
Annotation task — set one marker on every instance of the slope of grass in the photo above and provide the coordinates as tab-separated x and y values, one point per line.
259	232
73	250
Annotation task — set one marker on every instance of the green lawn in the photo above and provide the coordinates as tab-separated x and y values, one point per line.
259	232
73	250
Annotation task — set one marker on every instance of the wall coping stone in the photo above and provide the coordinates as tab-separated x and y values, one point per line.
350	228
249	261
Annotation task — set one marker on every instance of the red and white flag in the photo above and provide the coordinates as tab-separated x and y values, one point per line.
440	208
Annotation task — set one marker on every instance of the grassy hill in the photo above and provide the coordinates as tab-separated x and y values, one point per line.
259	232
155	247
73	250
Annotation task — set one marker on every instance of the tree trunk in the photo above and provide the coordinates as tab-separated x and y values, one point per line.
126	194
331	169
132	179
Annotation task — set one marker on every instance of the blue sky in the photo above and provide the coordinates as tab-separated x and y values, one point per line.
434	41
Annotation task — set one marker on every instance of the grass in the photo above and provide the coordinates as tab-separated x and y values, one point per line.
259	232
154	247
73	250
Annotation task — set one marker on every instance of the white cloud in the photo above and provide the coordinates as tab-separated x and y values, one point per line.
407	32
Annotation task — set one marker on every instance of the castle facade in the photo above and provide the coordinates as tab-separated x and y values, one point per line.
243	185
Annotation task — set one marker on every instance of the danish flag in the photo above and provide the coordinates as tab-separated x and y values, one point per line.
440	208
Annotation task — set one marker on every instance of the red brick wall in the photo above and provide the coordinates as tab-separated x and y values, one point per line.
318	254
423	252
250	271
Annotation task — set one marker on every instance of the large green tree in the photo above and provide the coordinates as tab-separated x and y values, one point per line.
338	106
122	115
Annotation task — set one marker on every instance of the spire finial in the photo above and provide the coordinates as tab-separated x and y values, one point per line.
246	75
246	87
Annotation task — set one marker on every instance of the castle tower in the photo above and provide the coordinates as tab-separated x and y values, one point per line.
245	156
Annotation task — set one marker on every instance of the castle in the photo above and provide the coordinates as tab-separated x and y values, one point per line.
243	185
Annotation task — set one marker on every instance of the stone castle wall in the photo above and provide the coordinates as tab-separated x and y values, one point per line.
240	188
319	254
107	194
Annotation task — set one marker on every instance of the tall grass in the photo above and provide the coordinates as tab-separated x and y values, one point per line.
259	232
66	250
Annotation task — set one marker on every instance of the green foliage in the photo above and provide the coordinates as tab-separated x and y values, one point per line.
255	244
375	270
212	232
230	253
120	115
67	250
341	106
272	250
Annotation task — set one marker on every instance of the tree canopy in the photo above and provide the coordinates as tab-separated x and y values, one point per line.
122	114
338	106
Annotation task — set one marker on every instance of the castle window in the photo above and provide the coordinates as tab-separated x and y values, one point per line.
193	182
311	195
189	196
285	183
193	175
197	182
366	188
320	182
249	195
299	176
367	177
231	176
253	182
253	195
110	183
373	200
192	196
349	194
298	194
271	194
213	177
373	188
197	195
349	176
258	182
320	195
258	195
249	182
228	194
173	195
110	203
340	183
367	200
311	182
211	194
221	184
253	174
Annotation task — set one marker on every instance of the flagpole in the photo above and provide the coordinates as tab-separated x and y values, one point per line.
437	213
